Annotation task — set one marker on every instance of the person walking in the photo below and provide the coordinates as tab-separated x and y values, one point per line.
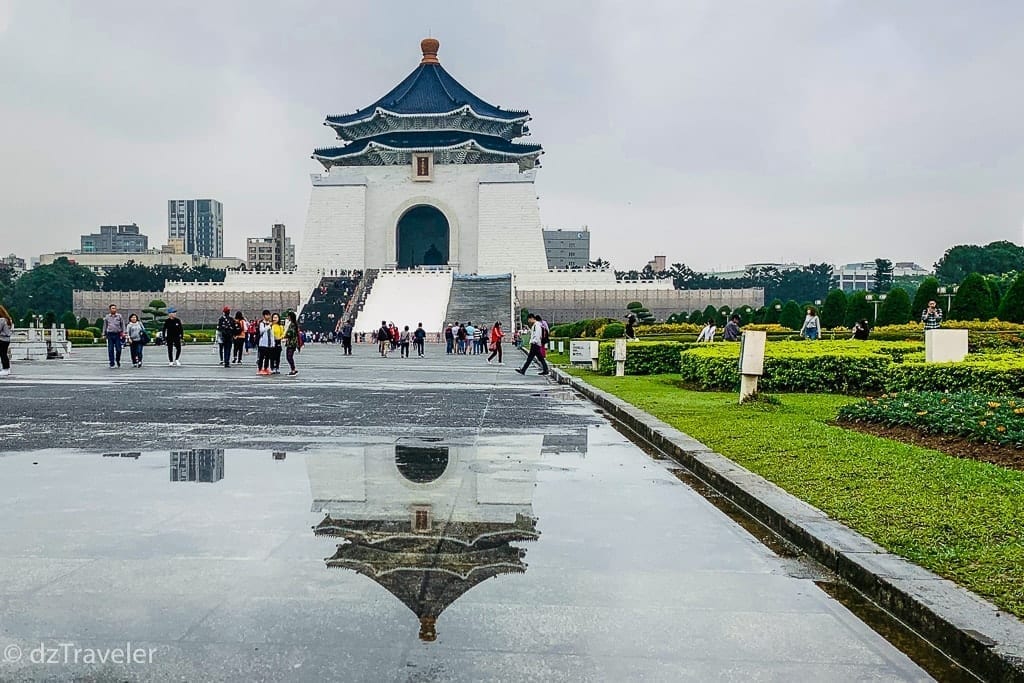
931	316
812	325
173	332
384	339
136	332
861	330
241	330
449	340
292	341
264	344
114	332
536	346
707	333
6	329
226	331
418	337
732	329
495	343
403	342
346	337
275	355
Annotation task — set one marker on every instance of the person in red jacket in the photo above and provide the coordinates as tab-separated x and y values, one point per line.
495	343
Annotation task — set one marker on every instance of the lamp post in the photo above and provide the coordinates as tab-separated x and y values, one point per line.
948	292
875	300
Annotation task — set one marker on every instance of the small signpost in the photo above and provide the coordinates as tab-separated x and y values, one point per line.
584	353
752	345
620	357
561	346
945	346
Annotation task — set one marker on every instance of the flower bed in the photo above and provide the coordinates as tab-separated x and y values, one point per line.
971	415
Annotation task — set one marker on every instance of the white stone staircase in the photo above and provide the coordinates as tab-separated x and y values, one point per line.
407	297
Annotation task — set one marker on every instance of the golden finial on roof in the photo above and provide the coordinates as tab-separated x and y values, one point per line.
429	47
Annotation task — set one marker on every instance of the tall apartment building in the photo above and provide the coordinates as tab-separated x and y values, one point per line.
199	224
567	248
851	277
270	253
115	239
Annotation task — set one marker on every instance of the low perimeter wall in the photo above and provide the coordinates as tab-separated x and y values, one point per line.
194	307
563	305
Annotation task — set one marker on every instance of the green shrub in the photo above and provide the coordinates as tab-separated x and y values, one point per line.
990	373
1011	308
643	358
774	310
696	318
80	335
829	367
973	301
833	312
976	416
895	309
792	315
613	331
93	331
83	323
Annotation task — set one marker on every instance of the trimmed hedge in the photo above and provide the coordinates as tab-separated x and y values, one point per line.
990	374
642	358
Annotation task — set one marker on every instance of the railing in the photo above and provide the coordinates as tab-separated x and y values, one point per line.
355	304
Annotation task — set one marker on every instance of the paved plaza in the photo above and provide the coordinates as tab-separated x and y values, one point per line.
371	519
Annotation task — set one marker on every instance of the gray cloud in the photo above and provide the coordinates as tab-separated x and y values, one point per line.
716	133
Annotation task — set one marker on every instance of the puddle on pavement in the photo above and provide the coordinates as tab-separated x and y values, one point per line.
418	548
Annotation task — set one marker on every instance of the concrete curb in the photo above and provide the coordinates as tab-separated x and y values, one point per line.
972	631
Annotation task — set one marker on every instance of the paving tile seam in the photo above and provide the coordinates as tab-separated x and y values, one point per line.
986	640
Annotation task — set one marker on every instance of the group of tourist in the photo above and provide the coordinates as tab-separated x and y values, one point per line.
388	338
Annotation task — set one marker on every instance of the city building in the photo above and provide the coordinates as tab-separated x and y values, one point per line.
199	223
657	264
201	465
115	239
852	277
13	263
567	248
270	253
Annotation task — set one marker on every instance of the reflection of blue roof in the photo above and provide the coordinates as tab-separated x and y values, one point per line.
427	141
429	90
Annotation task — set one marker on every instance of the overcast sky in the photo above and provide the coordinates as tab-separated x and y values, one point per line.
716	133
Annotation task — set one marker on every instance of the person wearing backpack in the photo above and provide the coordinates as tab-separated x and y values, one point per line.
226	328
536	346
418	337
292	341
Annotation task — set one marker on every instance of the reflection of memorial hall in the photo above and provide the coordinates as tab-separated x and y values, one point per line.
428	521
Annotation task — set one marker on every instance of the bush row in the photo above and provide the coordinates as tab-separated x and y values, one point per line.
976	416
642	358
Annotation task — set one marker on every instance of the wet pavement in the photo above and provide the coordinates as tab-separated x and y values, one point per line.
406	520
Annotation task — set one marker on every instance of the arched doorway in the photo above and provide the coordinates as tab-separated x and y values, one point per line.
422	236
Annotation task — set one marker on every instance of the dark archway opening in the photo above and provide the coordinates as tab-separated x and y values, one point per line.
423	236
421	464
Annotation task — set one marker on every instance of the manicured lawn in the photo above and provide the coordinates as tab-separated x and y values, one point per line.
959	518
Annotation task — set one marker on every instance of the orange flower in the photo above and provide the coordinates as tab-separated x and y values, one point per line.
1019	411
994	404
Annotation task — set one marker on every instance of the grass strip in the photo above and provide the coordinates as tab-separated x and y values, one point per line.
961	519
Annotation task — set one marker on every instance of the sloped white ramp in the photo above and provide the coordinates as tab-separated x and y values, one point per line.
407	297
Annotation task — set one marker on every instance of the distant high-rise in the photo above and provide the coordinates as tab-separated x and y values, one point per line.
567	248
115	239
199	224
271	253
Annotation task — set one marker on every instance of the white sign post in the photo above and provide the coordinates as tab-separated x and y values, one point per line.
945	346
751	362
584	353
620	357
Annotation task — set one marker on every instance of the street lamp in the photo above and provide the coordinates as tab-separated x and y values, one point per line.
948	292
876	300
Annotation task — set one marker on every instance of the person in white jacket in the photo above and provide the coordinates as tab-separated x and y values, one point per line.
536	347
708	333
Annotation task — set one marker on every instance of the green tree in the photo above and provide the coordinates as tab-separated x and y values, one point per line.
132	277
858	308
792	315
99	323
774	310
895	309
69	321
49	319
833	312
994	258
711	313
50	287
83	323
1011	308
29	319
883	275
973	300
697	318
155	312
927	291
